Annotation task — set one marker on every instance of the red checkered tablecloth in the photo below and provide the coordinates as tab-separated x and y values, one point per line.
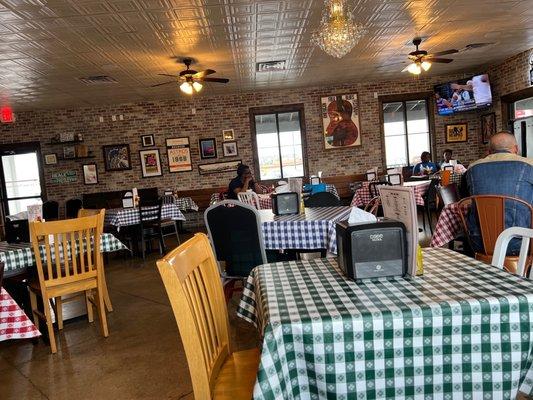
362	195
14	324
448	226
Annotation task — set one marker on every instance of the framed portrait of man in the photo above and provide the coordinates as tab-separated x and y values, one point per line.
341	121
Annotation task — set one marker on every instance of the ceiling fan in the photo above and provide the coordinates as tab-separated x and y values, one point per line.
191	80
421	60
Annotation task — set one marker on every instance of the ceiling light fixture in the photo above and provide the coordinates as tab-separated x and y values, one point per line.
186	88
197	86
338	33
426	65
414	68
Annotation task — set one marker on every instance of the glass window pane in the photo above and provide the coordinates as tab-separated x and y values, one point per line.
292	161
395	147
418	143
393	119
417	119
16	206
267	146
21	173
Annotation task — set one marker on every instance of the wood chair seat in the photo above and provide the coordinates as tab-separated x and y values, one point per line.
510	264
237	375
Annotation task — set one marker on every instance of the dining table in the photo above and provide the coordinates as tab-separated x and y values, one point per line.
121	217
462	330
362	194
314	229
449	225
14	323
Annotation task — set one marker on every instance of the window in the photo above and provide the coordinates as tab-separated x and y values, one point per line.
279	143
21	177
406	131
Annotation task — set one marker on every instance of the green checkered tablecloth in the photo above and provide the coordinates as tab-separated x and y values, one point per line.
20	256
464	330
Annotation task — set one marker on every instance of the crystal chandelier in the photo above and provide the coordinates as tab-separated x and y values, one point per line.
338	33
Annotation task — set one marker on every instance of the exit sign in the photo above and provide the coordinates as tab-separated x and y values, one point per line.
6	115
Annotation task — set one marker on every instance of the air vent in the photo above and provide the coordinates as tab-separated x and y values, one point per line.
271	66
98	80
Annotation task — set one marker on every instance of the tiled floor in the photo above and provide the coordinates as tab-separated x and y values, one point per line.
141	359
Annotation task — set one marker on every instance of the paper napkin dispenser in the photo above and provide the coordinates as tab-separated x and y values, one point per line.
285	203
372	250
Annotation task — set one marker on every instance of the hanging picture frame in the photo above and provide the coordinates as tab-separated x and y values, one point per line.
117	157
230	149
228	135
208	148
147	140
488	126
90	174
341	121
456	133
50	159
179	154
150	163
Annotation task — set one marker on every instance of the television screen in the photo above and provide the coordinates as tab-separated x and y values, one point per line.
463	95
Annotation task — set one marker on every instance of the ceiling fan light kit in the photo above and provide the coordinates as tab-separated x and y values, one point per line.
422	61
337	33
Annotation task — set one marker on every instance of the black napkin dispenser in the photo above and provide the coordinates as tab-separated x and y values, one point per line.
285	203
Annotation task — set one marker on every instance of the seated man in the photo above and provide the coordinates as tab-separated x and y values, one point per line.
425	167
447	155
242	182
502	172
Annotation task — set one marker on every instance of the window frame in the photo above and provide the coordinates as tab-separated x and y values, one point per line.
430	108
285	108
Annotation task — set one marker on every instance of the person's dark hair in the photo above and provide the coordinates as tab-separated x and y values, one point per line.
425	153
241	168
448	151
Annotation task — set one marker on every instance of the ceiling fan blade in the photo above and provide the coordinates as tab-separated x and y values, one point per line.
219	80
173	76
443	53
438	60
164	83
206	72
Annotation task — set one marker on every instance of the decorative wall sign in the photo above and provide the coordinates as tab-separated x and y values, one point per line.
220	167
90	174
456	132
208	148
150	163
66	137
230	149
69	152
117	157
64	177
179	155
148	140
488	126
341	121
50	159
228	134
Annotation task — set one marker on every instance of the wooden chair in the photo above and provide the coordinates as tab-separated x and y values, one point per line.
490	213
373	206
87	212
524	259
446	177
250	198
192	282
64	273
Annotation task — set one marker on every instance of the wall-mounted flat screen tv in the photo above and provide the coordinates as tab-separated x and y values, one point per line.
463	95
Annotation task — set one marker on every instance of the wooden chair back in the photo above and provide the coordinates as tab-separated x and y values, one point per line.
87	212
490	210
192	282
251	198
71	250
373	205
446	177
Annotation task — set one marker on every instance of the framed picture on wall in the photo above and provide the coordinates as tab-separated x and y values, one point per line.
90	174
179	155
488	126
148	140
341	121
228	134
117	157
69	152
150	163
208	148
230	149
50	159
456	133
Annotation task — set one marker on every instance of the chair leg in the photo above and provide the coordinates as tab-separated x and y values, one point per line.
59	312
430	220
162	247
33	302
48	315
107	299
228	290
101	311
143	247
424	219
177	232
89	305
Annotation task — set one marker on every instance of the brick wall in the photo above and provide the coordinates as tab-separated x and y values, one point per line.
173	118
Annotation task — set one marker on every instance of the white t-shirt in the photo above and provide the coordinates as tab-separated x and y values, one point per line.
481	89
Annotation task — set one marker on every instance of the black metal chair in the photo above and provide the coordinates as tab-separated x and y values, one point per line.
373	187
1	274
448	194
322	199
394	179
430	203
50	210
169	226
150	225
234	230
72	206
17	231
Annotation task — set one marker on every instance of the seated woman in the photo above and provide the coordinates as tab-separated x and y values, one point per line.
242	182
425	167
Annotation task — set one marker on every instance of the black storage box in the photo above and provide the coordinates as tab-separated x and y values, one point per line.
372	250
285	203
